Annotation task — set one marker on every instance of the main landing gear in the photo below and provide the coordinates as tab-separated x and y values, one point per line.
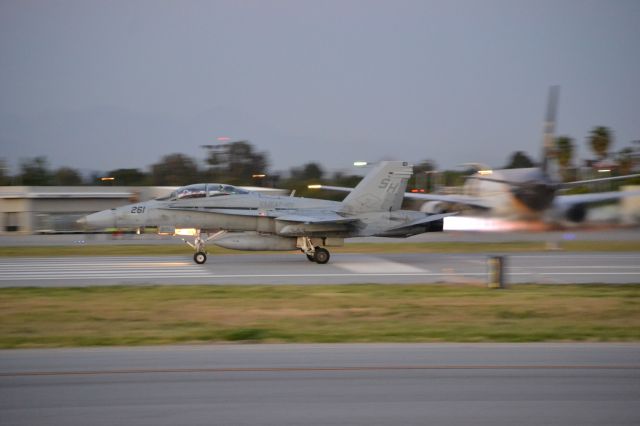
316	254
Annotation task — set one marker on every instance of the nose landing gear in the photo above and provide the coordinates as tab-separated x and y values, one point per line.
200	257
199	245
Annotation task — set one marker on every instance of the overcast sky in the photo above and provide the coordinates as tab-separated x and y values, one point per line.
100	85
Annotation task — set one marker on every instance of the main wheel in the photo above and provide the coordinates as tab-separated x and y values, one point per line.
311	257
200	257
322	255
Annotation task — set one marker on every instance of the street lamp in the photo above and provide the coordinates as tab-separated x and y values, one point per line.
260	176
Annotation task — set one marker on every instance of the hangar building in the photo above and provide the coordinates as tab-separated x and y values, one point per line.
55	209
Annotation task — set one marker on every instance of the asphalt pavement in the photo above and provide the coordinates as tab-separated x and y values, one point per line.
594	234
379	384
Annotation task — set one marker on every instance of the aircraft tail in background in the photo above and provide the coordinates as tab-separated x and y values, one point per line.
549	163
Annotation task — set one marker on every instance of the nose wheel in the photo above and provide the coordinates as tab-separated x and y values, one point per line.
200	257
199	245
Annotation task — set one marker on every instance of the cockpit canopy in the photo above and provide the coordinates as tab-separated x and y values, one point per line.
200	190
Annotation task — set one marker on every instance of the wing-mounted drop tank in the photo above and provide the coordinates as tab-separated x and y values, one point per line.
254	241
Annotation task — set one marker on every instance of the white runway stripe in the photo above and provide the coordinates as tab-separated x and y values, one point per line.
374	265
92	268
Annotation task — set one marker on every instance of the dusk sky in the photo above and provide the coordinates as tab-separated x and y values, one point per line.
101	85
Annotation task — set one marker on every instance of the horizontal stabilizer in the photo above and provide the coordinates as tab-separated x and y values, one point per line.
594	197
312	223
319	218
606	179
422	221
453	199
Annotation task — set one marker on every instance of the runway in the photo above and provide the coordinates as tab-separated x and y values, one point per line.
344	268
381	384
613	234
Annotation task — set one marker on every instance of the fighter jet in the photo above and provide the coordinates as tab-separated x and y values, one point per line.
521	194
234	218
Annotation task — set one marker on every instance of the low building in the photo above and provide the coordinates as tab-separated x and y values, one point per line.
55	209
630	206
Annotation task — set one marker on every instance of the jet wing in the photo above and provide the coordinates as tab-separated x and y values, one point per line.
230	211
316	218
290	215
453	199
582	182
312	223
594	197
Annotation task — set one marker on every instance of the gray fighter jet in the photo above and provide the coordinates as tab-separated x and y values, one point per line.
234	218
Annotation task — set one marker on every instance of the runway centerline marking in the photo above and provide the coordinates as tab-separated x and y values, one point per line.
203	275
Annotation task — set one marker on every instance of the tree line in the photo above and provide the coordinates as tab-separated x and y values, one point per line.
238	163
235	163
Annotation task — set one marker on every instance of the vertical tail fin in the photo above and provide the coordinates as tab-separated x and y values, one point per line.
382	189
548	164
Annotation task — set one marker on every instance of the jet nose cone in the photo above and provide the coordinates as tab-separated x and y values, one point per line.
100	220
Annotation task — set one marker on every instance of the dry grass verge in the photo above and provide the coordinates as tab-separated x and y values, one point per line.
93	316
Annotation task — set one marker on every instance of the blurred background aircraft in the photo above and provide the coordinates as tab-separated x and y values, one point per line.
521	194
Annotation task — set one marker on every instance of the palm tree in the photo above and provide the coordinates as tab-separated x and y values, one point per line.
519	160
599	140
564	153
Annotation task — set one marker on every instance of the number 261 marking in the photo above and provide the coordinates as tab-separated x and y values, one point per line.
137	209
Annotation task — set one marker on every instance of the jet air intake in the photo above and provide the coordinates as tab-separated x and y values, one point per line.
575	213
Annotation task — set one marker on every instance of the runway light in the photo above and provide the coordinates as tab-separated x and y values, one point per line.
485	172
107	178
360	163
258	176
604	170
314	186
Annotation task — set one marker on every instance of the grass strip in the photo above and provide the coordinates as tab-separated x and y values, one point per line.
435	247
149	315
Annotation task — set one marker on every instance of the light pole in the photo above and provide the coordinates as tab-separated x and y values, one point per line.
259	178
